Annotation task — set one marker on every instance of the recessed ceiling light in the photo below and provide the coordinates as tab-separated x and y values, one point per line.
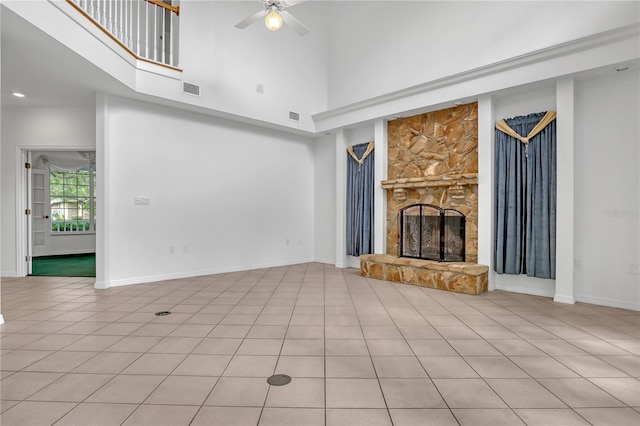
457	103
18	95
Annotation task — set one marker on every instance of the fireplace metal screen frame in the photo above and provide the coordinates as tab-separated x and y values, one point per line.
443	213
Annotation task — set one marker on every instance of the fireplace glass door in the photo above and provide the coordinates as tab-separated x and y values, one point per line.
432	233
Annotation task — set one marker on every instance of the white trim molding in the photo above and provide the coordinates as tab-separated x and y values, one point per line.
609	47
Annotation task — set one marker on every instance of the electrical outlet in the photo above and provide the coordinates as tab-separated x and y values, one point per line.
578	263
185	249
172	250
287	242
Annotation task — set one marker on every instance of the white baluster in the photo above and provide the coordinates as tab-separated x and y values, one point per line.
146	16
172	16
107	15
163	42
114	18
97	14
138	30
155	34
127	24
121	23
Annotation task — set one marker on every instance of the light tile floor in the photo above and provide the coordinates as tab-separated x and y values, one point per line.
360	351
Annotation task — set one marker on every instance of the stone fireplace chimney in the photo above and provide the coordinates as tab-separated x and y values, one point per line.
433	159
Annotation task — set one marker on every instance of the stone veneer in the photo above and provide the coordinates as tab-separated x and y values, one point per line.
432	159
461	277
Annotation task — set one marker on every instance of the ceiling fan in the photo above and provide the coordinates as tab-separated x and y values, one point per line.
274	13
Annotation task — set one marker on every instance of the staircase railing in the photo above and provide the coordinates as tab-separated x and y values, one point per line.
147	29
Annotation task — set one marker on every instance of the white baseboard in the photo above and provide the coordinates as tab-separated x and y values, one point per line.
601	301
526	290
8	274
564	299
1	319
191	274
101	285
325	261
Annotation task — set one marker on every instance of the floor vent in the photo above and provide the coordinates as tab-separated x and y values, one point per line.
192	89
295	116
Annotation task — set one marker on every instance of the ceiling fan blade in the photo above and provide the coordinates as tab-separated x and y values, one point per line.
289	3
251	19
291	20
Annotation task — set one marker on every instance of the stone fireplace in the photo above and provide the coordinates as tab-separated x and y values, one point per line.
432	160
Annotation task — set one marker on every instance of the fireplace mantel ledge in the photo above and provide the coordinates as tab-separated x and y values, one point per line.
427	181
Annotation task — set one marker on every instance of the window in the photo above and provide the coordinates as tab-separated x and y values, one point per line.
73	202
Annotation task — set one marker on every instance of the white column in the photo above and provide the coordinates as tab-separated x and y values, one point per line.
102	193
1	317
341	198
565	191
486	135
380	195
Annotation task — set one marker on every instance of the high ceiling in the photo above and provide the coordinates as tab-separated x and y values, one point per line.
47	72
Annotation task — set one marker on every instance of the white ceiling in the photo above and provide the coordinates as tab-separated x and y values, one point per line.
47	72
50	74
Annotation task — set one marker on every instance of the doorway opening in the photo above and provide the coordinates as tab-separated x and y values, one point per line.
61	213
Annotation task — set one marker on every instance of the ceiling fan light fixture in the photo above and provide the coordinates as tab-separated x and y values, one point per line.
273	21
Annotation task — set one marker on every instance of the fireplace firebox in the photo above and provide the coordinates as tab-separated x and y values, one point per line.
432	233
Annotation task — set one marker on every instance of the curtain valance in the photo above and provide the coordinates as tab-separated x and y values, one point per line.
544	122
68	161
368	151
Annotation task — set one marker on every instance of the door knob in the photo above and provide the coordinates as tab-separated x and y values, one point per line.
45	217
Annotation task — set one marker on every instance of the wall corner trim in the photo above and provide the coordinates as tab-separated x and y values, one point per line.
564	299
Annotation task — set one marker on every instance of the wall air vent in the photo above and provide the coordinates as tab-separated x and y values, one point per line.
192	89
295	116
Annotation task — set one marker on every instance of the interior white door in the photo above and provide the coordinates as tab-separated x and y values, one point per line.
40	211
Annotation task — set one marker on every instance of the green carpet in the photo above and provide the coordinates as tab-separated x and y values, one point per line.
76	265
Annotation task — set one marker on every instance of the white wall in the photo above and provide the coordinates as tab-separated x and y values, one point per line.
325	199
225	196
377	47
26	128
229	63
607	181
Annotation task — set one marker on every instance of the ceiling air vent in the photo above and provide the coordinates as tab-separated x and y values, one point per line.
192	89
295	116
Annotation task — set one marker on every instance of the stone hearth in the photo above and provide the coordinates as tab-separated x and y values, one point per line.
461	277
